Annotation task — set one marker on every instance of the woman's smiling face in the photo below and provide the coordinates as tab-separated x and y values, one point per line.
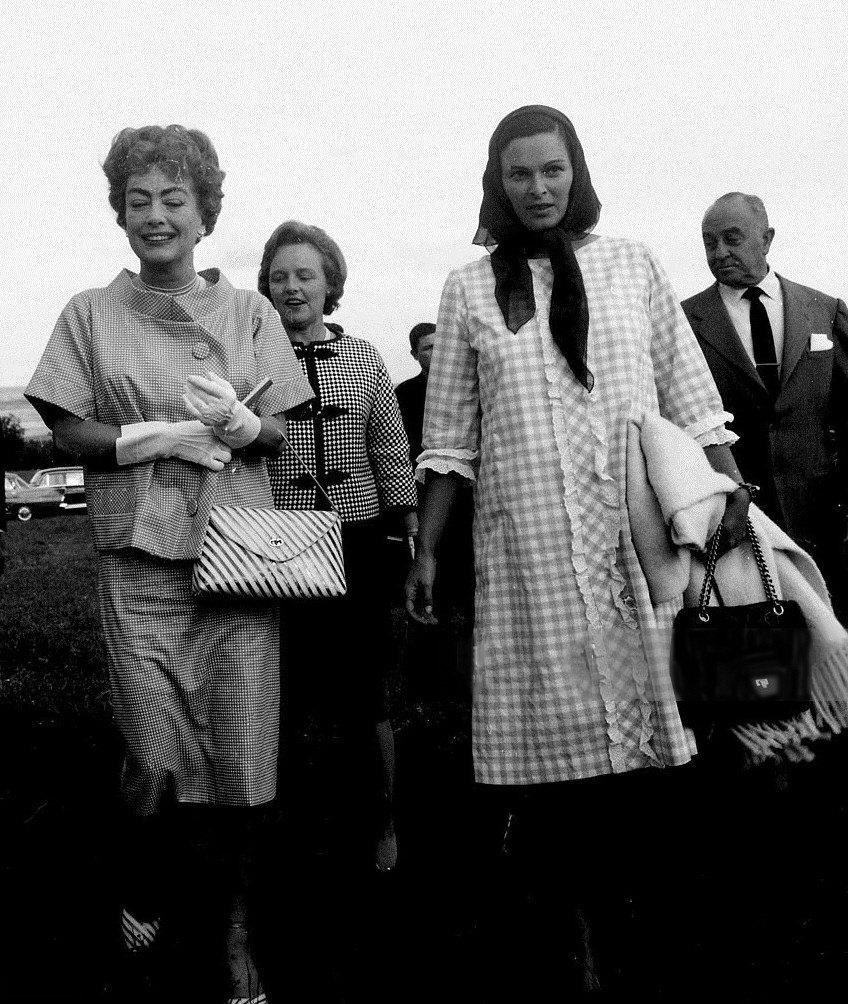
298	286
536	173
162	222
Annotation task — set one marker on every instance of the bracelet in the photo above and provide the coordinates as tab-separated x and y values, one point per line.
752	490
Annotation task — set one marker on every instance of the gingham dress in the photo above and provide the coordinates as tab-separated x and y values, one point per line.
195	685
570	658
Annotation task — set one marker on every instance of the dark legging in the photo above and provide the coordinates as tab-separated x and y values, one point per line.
578	884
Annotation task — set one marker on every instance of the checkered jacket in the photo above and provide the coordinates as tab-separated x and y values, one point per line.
350	435
121	355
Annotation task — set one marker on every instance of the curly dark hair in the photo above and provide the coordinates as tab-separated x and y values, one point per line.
294	232
174	150
420	331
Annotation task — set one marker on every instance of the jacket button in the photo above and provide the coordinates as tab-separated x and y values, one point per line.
191	507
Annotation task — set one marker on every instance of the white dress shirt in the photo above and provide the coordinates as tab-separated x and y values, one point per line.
740	313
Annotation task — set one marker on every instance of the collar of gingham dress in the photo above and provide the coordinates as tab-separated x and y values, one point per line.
189	307
324	349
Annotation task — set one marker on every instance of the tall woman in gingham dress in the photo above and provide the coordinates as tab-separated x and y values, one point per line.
351	436
543	351
141	380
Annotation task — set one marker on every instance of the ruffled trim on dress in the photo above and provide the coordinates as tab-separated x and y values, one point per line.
461	462
718	437
712	429
595	650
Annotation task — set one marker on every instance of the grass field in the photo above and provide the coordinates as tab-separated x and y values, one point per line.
61	756
53	663
410	941
60	761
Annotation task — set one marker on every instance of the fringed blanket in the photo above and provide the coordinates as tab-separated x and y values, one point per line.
675	502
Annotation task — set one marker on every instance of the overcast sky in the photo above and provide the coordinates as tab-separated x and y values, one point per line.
372	121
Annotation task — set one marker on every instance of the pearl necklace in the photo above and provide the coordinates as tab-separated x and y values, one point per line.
194	284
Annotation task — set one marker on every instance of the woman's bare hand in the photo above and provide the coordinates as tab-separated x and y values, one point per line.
419	589
734	521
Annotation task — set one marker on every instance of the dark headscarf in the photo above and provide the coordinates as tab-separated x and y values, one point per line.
499	224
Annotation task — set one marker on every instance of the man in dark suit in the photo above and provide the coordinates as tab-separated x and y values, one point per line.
450	645
412	393
779	355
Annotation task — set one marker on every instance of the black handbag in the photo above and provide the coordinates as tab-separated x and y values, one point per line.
735	665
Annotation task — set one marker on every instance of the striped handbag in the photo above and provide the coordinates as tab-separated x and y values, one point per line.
270	554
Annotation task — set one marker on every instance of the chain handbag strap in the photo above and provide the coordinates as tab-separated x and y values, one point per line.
712	558
306	467
254	396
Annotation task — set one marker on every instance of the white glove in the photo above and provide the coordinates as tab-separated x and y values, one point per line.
191	441
214	402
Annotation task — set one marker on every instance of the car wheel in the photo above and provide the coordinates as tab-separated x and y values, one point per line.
24	513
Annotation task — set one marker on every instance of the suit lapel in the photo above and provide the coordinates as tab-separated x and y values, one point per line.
796	329
717	328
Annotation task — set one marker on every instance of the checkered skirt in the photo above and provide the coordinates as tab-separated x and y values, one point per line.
571	659
195	685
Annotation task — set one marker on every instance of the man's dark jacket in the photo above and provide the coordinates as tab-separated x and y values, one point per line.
795	447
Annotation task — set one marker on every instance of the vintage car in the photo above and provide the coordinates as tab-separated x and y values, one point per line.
23	501
69	479
49	491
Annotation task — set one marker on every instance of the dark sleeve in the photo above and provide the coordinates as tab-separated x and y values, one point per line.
411	404
839	396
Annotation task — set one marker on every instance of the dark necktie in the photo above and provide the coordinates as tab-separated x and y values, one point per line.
764	357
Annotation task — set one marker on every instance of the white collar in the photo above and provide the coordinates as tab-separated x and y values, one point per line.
769	284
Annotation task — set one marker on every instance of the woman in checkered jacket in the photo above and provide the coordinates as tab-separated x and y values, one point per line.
544	350
337	651
141	381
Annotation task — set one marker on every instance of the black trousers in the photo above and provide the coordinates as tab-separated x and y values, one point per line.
579	887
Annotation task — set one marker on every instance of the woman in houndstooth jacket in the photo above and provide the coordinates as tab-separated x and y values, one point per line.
544	350
338	651
141	380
